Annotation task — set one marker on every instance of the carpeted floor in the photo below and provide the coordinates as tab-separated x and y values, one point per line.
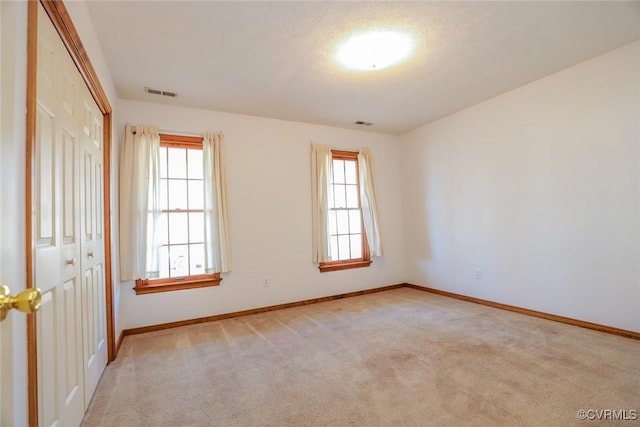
395	358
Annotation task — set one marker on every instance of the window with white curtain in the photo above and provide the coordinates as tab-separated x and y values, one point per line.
345	221
180	227
348	246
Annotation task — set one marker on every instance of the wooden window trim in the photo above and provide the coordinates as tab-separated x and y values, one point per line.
180	141
343	265
348	264
344	155
150	286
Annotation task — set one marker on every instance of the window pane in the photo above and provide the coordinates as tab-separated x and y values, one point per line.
163	231
340	198
195	164
178	229
179	258
342	218
343	247
356	245
196	194
164	261
333	248
331	198
177	162
163	162
354	221
333	227
350	173
196	258
352	196
164	202
178	194
196	227
338	171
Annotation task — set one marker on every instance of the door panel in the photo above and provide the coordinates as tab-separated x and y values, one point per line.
45	179
72	340
3	358
70	180
94	320
49	410
69	245
88	197
58	326
3	348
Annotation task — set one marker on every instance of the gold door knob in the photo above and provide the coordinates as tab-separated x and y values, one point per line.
27	301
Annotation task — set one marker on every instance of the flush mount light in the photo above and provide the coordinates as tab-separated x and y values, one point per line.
374	50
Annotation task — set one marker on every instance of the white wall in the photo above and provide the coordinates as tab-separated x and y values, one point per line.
82	21
268	164
539	189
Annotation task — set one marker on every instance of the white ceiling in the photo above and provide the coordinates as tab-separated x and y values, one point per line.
275	59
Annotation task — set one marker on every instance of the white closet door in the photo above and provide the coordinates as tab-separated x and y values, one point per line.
56	227
92	235
4	347
68	235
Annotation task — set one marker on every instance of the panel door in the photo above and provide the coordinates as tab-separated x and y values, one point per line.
3	347
3	402
61	398
6	377
92	241
6	366
5	410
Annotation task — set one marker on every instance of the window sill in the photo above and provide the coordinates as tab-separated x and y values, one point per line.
336	266
149	287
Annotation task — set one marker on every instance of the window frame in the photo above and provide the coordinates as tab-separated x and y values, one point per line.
166	284
365	260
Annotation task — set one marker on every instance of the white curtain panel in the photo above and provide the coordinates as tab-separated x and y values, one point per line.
368	202
321	162
216	219
139	202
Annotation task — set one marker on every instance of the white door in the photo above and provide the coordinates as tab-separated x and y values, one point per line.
56	233
4	348
92	245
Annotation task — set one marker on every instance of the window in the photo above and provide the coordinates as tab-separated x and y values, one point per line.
348	246
181	223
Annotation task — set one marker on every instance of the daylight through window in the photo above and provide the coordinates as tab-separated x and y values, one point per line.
181	225
347	243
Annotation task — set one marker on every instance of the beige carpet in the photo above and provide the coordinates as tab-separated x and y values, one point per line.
395	358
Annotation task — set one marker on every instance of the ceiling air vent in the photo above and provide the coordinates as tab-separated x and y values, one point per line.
361	123
160	92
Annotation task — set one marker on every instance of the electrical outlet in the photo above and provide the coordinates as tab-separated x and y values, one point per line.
265	284
478	274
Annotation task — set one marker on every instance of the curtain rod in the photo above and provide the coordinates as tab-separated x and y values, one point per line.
178	132
181	133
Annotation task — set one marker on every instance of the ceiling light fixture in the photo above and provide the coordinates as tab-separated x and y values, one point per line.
375	50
